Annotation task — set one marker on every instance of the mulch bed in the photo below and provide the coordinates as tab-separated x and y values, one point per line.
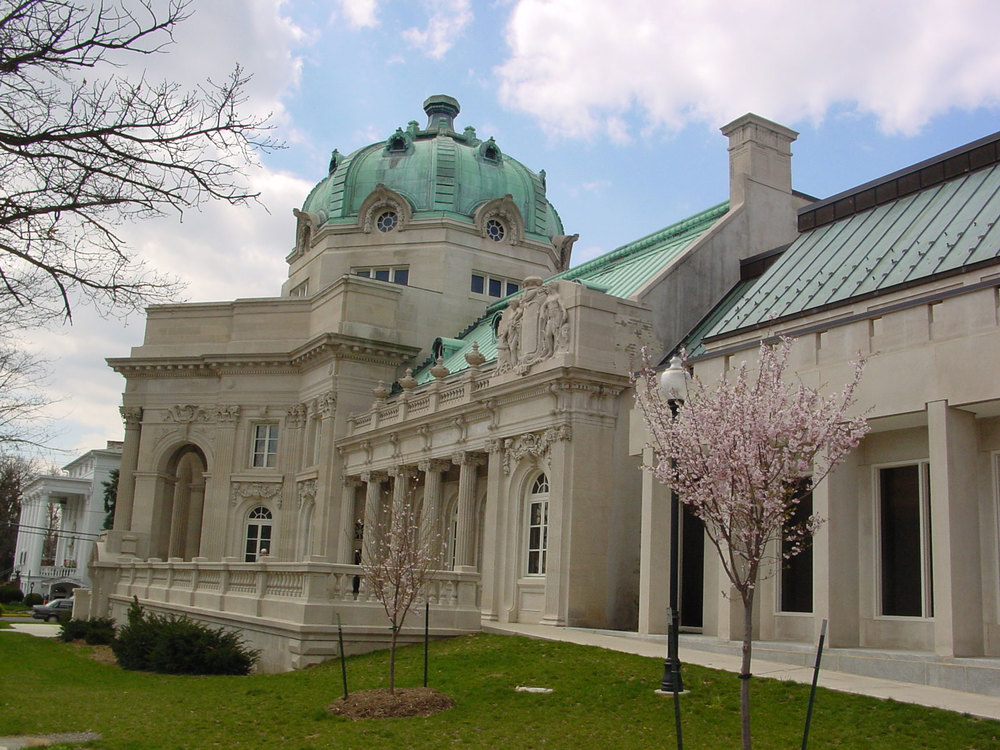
381	704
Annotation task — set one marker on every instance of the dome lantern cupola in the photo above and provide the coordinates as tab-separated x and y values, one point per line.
441	112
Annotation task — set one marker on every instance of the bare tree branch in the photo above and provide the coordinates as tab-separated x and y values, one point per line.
81	155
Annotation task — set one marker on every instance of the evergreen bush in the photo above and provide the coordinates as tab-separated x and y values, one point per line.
178	645
97	632
10	592
32	599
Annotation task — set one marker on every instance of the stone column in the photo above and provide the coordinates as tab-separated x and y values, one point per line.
958	606
400	485
430	514
345	537
466	526
132	417
836	575
492	566
373	481
654	552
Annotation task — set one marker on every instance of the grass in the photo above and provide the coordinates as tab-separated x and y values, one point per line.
601	699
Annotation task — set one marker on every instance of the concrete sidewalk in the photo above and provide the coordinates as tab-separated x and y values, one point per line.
974	704
40	629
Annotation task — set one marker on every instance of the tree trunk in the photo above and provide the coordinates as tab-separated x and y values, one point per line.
745	670
392	661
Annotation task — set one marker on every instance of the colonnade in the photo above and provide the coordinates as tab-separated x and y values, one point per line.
430	474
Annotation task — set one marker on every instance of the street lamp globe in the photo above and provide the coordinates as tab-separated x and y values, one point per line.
674	381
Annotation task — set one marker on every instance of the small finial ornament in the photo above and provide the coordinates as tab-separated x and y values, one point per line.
381	391
408	381
475	358
439	371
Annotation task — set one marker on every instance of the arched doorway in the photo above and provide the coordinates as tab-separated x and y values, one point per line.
181	500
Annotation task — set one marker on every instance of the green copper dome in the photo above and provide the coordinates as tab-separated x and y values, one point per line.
440	171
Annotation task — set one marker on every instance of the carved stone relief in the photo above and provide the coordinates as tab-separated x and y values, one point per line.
258	490
535	444
305	492
532	328
296	415
189	413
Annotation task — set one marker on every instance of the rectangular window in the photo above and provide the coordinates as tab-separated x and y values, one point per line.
904	541
493	286
265	446
302	290
396	274
538	533
797	572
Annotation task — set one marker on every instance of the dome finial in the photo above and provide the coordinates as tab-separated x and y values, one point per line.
441	111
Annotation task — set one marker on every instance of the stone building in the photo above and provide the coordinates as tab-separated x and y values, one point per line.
430	341
61	518
905	272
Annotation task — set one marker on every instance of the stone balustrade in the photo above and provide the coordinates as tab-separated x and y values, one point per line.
312	593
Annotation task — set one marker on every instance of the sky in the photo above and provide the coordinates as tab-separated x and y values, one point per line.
619	102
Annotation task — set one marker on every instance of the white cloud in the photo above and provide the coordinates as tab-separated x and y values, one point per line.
581	66
360	14
448	18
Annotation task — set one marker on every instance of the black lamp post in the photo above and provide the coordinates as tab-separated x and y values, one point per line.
673	386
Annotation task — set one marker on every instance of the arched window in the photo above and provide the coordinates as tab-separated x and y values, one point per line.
537	517
258	536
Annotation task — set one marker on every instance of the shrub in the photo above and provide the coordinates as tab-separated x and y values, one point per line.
101	632
10	592
1	610
96	632
32	599
178	645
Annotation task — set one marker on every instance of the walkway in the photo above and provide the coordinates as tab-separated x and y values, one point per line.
974	704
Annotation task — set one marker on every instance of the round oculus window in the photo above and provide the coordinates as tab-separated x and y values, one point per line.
387	221
494	230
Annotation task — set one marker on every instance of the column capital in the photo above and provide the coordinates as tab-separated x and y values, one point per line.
373	477
468	458
352	480
131	416
436	465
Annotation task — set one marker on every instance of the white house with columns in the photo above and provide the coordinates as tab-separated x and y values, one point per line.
61	518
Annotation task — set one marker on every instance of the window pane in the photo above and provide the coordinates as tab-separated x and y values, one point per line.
797	572
363	272
899	506
495	287
512	287
382	274
402	276
477	284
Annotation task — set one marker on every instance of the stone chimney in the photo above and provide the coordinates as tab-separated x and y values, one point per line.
760	152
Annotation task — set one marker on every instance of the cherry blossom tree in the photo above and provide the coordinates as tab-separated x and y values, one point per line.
399	557
743	454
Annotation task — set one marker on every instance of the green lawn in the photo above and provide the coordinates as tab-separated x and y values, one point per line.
601	699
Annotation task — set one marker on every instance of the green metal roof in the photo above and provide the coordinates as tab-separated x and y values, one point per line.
441	172
940	229
624	270
620	273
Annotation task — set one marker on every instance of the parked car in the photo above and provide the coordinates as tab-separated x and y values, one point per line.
53	610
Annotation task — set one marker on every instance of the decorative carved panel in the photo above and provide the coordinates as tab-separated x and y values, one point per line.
535	444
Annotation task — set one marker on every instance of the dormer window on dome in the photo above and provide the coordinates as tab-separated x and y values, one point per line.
398	143
490	152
